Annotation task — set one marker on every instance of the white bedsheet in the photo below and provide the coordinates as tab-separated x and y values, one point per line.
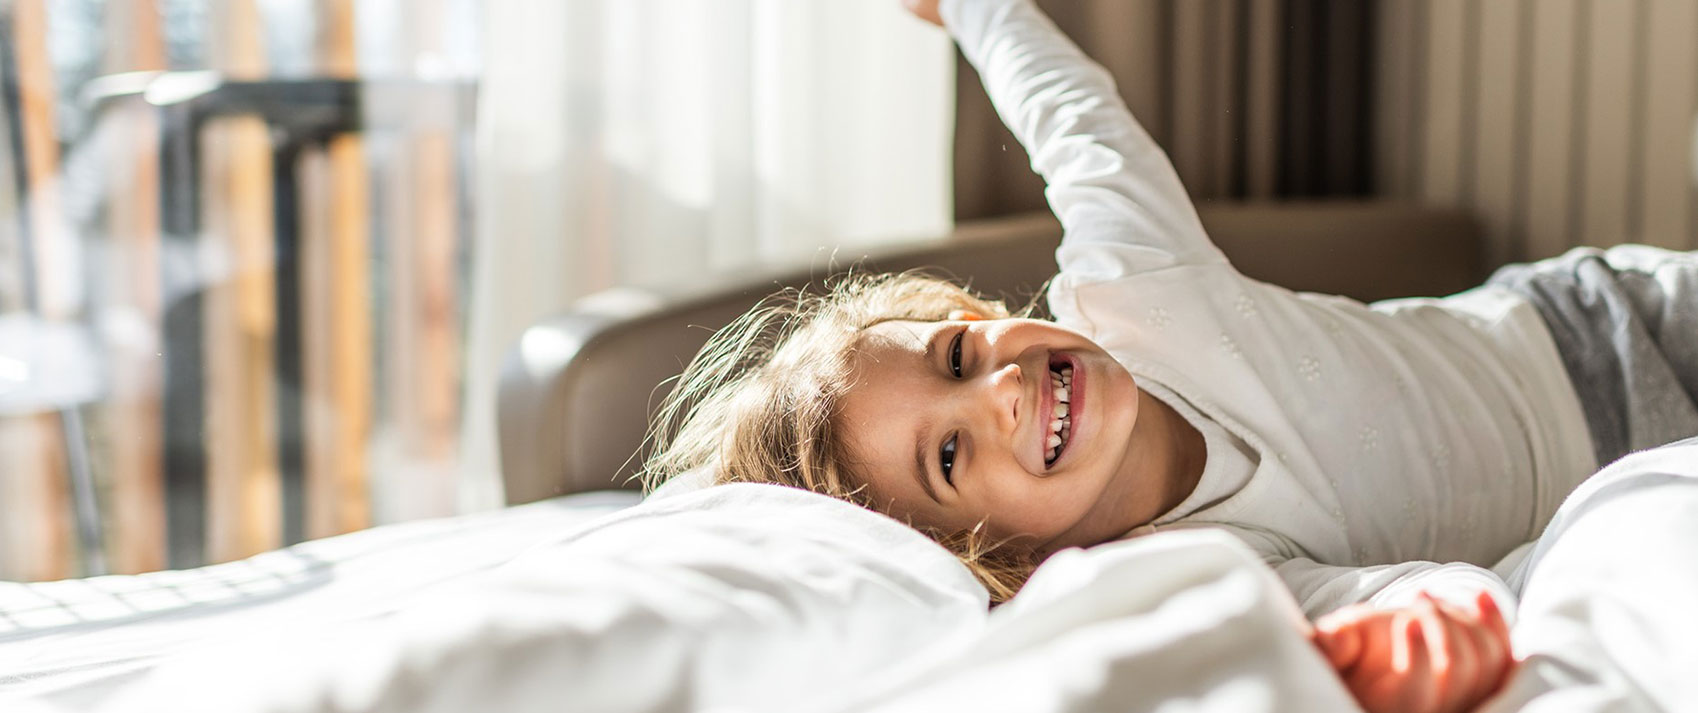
752	598
758	598
72	643
748	596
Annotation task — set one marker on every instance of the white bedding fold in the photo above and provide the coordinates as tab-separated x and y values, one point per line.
758	598
754	598
741	597
1188	618
73	643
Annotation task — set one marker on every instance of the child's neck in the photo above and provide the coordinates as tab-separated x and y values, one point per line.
1183	451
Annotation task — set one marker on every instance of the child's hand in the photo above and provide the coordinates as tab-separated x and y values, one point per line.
925	10
1429	657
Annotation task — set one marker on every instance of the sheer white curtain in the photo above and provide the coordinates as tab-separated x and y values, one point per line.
633	142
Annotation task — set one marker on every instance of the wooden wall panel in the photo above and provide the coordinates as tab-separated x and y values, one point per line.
58	284
351	384
37	529
336	337
244	498
34	482
135	507
338	333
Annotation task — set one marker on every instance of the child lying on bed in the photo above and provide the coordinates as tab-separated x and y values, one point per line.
1355	447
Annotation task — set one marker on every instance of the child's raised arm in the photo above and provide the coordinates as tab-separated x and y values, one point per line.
1109	183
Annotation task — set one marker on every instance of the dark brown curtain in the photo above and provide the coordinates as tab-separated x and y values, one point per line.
1252	99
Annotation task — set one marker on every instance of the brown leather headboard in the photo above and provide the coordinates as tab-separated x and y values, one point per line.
577	390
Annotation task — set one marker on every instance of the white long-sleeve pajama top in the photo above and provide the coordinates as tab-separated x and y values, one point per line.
1366	451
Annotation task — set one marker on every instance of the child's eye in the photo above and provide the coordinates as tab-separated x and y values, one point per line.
946	458
955	354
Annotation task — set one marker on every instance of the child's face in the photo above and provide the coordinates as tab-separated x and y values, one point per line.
952	423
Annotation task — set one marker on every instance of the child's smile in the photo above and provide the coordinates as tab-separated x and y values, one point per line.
1020	423
1060	403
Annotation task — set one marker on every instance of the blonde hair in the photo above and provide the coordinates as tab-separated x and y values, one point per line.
759	402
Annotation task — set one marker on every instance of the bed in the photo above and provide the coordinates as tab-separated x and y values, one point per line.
732	598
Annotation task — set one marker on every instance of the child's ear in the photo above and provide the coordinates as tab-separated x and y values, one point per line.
961	315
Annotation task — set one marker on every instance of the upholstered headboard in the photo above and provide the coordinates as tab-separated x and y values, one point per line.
577	390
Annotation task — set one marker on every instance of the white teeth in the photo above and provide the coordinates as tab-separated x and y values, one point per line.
1060	426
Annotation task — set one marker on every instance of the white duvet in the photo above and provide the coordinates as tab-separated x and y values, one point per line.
758	598
736	598
75	642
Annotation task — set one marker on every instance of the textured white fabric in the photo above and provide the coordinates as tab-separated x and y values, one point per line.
75	642
1179	621
1230	465
686	482
1607	618
756	598
738	597
1368	423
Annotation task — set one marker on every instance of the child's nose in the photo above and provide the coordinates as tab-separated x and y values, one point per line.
1006	389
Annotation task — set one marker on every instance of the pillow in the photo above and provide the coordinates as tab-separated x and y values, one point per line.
745	596
686	482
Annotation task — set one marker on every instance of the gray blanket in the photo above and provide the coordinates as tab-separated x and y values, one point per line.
1626	323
